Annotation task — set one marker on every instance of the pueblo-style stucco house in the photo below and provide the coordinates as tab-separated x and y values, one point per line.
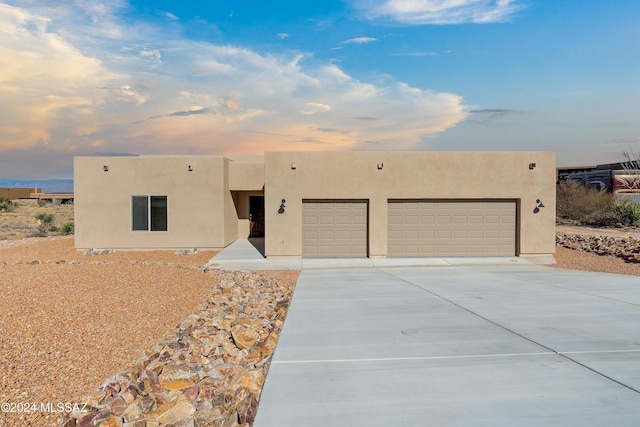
322	204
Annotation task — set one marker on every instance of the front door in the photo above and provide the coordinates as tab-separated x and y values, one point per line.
256	216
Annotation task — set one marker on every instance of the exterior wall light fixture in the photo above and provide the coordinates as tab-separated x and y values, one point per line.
190	168
532	166
294	166
105	168
282	207
380	166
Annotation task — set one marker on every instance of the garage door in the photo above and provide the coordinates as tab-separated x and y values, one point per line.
451	228
334	229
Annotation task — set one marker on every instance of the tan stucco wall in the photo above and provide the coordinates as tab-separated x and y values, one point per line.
246	176
230	213
200	207
407	175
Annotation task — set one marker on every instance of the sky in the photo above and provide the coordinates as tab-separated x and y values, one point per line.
118	77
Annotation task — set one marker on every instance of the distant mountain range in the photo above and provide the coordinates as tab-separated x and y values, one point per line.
47	185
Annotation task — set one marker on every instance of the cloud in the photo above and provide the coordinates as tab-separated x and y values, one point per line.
359	40
438	12
40	93
127	92
417	54
169	16
623	141
136	87
370	119
182	114
493	113
283	36
109	154
315	107
153	54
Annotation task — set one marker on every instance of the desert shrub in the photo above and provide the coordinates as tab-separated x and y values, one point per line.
44	218
627	212
68	228
584	204
45	222
6	205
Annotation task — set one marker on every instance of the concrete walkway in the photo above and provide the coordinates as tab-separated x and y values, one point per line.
474	345
247	254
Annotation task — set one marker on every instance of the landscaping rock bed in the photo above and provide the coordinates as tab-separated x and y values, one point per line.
626	248
209	372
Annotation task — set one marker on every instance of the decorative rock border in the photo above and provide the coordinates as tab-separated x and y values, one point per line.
627	248
210	372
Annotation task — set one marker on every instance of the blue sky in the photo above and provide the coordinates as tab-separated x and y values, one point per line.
234	77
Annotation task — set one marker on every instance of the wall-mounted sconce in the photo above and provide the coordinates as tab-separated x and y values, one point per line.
532	166
293	166
282	207
538	206
190	168
380	166
105	168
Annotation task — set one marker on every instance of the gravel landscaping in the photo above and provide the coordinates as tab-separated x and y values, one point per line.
70	321
607	250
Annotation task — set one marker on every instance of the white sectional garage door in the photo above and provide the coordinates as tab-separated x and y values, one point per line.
451	228
332	229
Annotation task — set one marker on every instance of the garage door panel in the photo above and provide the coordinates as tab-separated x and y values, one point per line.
475	219
427	219
508	219
326	235
343	235
395	219
452	228
396	234
460	219
412	220
360	220
444	234
426	249
334	229
310	220
326	220
361	236
411	234
411	248
443	219
310	234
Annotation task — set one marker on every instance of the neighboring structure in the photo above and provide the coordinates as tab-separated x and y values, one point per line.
13	193
54	198
620	182
322	204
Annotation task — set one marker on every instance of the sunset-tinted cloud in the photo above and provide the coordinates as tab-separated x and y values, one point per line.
141	89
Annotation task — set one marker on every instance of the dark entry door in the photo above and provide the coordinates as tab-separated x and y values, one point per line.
256	216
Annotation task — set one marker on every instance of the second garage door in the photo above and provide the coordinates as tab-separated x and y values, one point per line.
334	229
451	228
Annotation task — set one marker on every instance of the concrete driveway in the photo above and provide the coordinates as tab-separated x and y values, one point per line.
457	346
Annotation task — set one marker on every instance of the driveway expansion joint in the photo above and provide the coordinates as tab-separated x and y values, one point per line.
565	355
